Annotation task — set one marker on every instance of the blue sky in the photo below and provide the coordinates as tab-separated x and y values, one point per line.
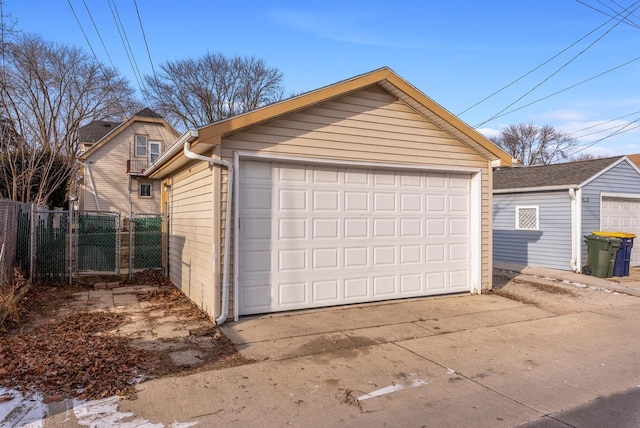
456	52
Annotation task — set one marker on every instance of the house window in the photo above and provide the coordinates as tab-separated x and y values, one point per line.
154	151
528	218
145	190
141	145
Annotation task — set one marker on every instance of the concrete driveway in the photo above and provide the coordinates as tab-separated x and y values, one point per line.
460	361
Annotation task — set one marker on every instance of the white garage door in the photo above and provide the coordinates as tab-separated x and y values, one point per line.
622	215
314	236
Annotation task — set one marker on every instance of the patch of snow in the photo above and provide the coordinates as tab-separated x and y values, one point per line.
21	410
104	413
29	411
393	388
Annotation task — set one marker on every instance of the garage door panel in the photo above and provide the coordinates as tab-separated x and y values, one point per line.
344	235
622	214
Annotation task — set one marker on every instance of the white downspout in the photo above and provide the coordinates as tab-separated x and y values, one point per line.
93	184
574	263
224	310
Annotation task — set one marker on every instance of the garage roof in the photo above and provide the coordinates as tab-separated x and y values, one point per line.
211	135
547	177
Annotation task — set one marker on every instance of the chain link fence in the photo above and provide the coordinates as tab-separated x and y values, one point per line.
146	242
98	243
54	245
11	214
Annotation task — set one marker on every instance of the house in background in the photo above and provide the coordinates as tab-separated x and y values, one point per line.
542	213
361	191
113	160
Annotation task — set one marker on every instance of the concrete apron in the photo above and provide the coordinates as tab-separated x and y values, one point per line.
479	361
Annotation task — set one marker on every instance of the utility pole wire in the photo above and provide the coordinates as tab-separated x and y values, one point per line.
499	114
628	22
83	33
535	68
624	128
563	90
125	43
97	32
144	36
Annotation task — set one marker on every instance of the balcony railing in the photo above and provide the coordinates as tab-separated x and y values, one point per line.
137	166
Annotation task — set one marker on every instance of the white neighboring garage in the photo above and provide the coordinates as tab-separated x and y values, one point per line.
360	191
622	213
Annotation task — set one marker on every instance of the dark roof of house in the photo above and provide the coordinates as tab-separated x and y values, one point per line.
147	112
95	130
559	174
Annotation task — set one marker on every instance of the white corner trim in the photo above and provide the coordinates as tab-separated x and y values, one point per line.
476	233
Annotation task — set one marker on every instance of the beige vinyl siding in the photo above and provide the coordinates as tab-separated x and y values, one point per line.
108	166
368	126
191	236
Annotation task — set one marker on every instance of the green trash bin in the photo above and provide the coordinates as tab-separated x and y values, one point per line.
602	254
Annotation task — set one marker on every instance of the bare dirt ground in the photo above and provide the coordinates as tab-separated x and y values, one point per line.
556	296
92	354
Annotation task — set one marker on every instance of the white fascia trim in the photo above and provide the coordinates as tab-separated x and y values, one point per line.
336	162
622	159
619	195
534	189
173	150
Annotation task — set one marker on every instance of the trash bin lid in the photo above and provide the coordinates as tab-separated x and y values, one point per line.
615	234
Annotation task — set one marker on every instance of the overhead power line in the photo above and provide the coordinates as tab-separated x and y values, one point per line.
125	43
535	68
602	123
83	32
627	21
144	36
619	131
563	90
500	113
97	32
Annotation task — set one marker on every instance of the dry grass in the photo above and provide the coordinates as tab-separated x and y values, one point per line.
11	293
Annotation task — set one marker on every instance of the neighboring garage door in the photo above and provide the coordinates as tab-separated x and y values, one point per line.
622	215
315	235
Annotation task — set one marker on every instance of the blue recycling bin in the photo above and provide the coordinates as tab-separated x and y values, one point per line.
622	261
623	257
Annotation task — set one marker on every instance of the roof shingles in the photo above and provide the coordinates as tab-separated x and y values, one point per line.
559	174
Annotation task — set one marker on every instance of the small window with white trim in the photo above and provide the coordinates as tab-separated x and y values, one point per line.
141	145
154	151
145	190
527	218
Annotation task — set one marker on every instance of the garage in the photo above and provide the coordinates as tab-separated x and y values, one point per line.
319	235
622	214
361	191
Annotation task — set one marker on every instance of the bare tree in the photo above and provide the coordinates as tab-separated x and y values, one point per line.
46	92
535	145
195	92
586	156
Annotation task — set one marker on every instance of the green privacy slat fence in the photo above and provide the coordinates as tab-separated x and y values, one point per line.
98	242
147	242
51	241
